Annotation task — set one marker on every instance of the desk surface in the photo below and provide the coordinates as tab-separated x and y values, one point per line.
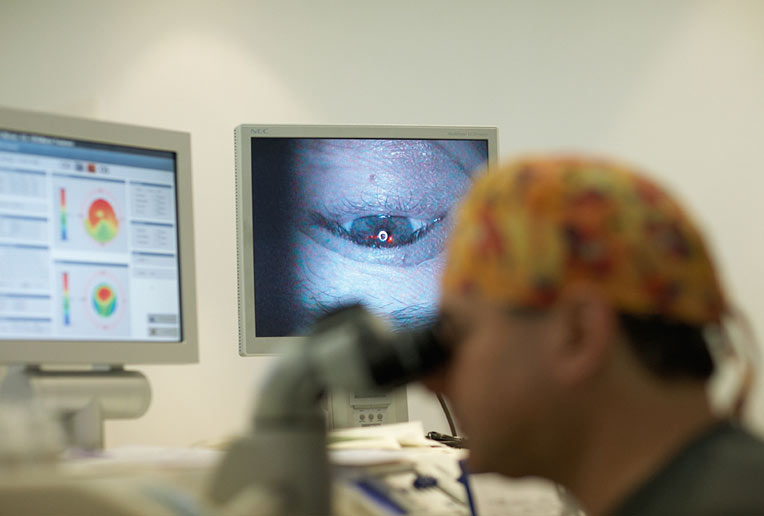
141	480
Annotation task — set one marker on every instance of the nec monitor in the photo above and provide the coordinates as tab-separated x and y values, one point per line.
332	215
96	242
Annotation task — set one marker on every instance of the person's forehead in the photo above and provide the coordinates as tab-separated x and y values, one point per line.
398	152
429	156
469	309
462	312
453	304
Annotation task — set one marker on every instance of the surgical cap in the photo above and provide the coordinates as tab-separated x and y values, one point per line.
531	228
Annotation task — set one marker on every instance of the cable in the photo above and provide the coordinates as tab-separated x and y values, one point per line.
447	412
448	440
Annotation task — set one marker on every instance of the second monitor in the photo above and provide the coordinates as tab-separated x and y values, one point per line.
332	215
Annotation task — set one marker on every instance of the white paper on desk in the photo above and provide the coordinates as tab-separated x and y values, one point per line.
405	434
139	455
366	457
381	442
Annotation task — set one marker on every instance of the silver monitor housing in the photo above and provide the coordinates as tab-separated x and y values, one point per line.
250	342
182	348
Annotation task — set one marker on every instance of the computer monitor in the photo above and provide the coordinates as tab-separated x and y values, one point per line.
333	215
96	242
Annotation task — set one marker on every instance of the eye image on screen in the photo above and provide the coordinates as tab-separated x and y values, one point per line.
338	221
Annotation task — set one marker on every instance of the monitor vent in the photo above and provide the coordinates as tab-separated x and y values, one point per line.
237	207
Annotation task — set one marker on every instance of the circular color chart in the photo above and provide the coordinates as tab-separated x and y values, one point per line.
101	222
104	300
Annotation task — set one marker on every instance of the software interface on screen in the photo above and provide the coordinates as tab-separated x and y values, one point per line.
88	241
342	220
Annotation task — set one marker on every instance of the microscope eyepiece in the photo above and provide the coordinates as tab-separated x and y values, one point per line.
391	358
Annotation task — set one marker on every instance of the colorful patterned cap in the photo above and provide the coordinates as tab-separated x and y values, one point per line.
536	225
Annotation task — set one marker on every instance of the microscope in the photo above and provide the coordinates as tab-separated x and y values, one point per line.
285	449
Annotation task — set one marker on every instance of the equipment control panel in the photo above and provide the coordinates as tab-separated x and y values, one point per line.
367	408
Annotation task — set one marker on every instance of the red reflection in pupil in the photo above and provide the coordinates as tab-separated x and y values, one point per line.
382	236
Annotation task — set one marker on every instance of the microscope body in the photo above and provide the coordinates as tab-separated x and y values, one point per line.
285	450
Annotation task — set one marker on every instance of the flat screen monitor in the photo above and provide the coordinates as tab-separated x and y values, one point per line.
96	242
334	215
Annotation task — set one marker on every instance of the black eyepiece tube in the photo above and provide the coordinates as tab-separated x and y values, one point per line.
390	358
404	356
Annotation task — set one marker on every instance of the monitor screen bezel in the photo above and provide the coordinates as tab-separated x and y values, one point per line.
249	343
118	352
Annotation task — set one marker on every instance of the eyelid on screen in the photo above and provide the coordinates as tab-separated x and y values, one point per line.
424	246
424	207
379	231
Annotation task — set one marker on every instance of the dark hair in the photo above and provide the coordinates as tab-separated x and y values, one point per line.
669	349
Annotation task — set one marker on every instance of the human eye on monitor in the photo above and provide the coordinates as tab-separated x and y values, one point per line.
380	231
385	203
354	220
385	238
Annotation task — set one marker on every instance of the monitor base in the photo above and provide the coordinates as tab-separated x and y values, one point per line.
80	399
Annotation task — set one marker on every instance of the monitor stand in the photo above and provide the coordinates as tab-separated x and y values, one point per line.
79	398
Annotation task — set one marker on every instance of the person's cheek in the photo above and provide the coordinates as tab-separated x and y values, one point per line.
325	279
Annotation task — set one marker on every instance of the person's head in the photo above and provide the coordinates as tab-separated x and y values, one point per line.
566	276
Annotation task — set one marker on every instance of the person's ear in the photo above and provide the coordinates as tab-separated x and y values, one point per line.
588	326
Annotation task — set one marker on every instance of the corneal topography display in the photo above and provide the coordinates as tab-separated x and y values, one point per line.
101	221
104	300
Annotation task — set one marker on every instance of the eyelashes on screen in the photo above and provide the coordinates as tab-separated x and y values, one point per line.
379	231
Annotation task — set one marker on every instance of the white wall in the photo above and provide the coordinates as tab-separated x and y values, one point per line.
677	87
